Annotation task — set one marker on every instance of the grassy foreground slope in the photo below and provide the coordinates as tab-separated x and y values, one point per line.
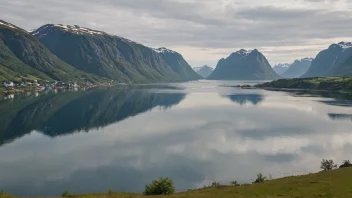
317	83
337	184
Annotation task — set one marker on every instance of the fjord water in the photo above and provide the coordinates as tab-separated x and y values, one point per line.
194	133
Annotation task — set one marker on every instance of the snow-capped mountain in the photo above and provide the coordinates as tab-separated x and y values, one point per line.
204	71
113	57
345	45
23	55
163	50
244	65
297	68
332	61
281	68
42	31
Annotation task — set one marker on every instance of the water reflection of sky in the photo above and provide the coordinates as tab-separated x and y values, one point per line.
214	134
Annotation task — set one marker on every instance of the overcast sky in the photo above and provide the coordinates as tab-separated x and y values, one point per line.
203	31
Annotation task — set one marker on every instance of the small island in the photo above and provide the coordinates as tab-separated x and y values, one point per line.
339	84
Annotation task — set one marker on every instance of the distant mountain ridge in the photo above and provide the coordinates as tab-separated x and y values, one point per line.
334	61
297	68
114	57
281	68
204	71
244	65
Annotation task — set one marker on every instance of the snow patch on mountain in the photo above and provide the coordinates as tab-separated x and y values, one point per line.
163	50
8	25
244	52
283	65
45	29
345	45
79	30
196	69
307	59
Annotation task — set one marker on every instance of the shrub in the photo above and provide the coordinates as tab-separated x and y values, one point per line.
215	184
234	183
2	192
260	178
66	194
327	165
162	186
346	164
110	192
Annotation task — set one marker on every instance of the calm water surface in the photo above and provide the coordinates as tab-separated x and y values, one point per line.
195	133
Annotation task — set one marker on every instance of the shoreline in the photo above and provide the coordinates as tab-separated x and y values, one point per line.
308	90
334	183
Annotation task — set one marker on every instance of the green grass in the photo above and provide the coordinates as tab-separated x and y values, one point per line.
317	83
331	184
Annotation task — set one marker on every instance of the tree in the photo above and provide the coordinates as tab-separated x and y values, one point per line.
260	178
162	186
234	183
327	165
346	164
215	184
66	194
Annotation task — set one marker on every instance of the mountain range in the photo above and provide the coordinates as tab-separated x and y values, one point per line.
204	71
281	68
244	65
78	54
63	52
334	61
297	68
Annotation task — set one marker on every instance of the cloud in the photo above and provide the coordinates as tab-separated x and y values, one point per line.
202	30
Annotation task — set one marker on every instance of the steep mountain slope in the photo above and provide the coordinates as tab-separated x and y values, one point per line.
244	65
343	69
23	55
204	71
281	68
114	57
332	61
298	68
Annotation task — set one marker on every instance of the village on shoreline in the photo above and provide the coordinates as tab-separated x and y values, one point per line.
27	86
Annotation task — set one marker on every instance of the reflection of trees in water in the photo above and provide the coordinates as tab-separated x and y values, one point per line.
341	99
65	113
338	116
243	99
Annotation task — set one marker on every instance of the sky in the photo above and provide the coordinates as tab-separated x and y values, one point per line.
203	31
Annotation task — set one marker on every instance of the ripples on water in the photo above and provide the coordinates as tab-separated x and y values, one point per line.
195	133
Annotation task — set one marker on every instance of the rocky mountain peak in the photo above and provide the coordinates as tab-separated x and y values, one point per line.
163	50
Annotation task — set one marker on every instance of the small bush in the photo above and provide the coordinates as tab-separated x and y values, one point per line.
215	184
234	183
2	192
260	178
66	194
346	164
110	192
162	186
327	165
